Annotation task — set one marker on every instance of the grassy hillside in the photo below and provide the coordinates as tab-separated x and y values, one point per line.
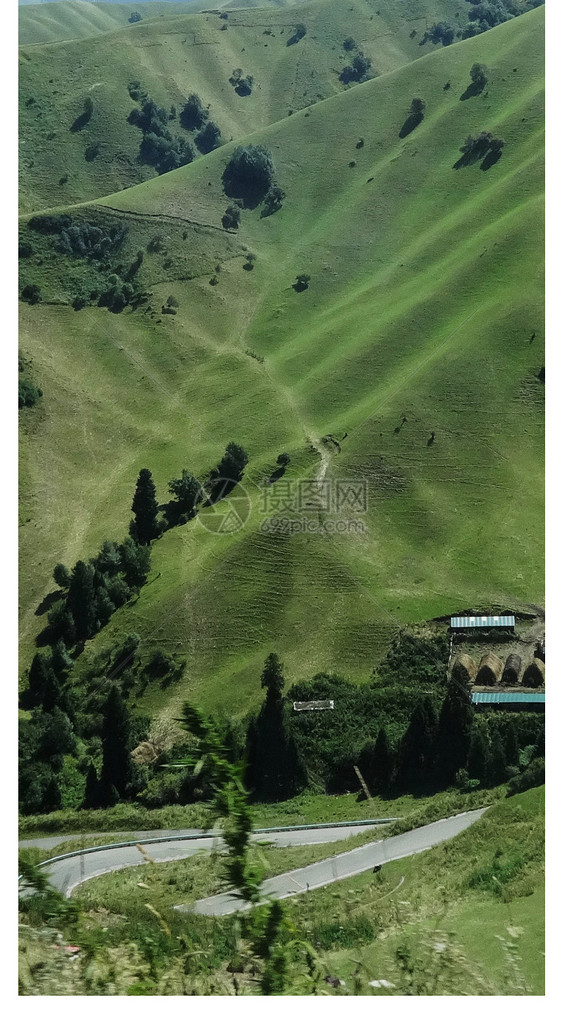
425	289
78	19
467	917
174	55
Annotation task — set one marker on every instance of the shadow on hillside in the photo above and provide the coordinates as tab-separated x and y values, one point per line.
47	602
80	122
410	124
472	91
491	158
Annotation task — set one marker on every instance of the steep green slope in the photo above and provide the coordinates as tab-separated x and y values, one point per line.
78	19
175	55
41	23
425	289
464	918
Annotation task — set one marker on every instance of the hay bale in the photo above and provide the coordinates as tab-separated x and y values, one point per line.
464	669
489	670
512	670
534	674
144	753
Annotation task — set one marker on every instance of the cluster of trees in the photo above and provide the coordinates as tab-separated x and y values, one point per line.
92	591
75	746
481	17
195	117
485	148
159	148
187	494
440	32
84	239
358	70
98	244
242	84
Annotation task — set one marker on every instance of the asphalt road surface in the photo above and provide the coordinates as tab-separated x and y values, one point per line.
361	859
67	874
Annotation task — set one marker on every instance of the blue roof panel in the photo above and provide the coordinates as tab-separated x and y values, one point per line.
507	698
468	622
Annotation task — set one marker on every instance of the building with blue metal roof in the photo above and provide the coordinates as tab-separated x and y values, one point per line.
486	622
509	699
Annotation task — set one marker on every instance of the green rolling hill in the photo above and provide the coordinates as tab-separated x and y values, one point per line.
174	55
425	287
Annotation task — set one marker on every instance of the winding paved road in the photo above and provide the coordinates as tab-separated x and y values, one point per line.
68	872
345	865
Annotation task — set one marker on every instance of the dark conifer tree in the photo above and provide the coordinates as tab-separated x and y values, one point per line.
511	746
274	767
117	766
39	673
81	600
453	732
416	749
61	660
272	678
52	798
145	527
498	771
478	762
92	790
376	763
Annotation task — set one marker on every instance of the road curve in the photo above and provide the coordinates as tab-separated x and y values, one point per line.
66	873
345	865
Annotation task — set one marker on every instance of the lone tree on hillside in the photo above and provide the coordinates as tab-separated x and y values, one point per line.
479	81
145	527
478	75
249	174
414	118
